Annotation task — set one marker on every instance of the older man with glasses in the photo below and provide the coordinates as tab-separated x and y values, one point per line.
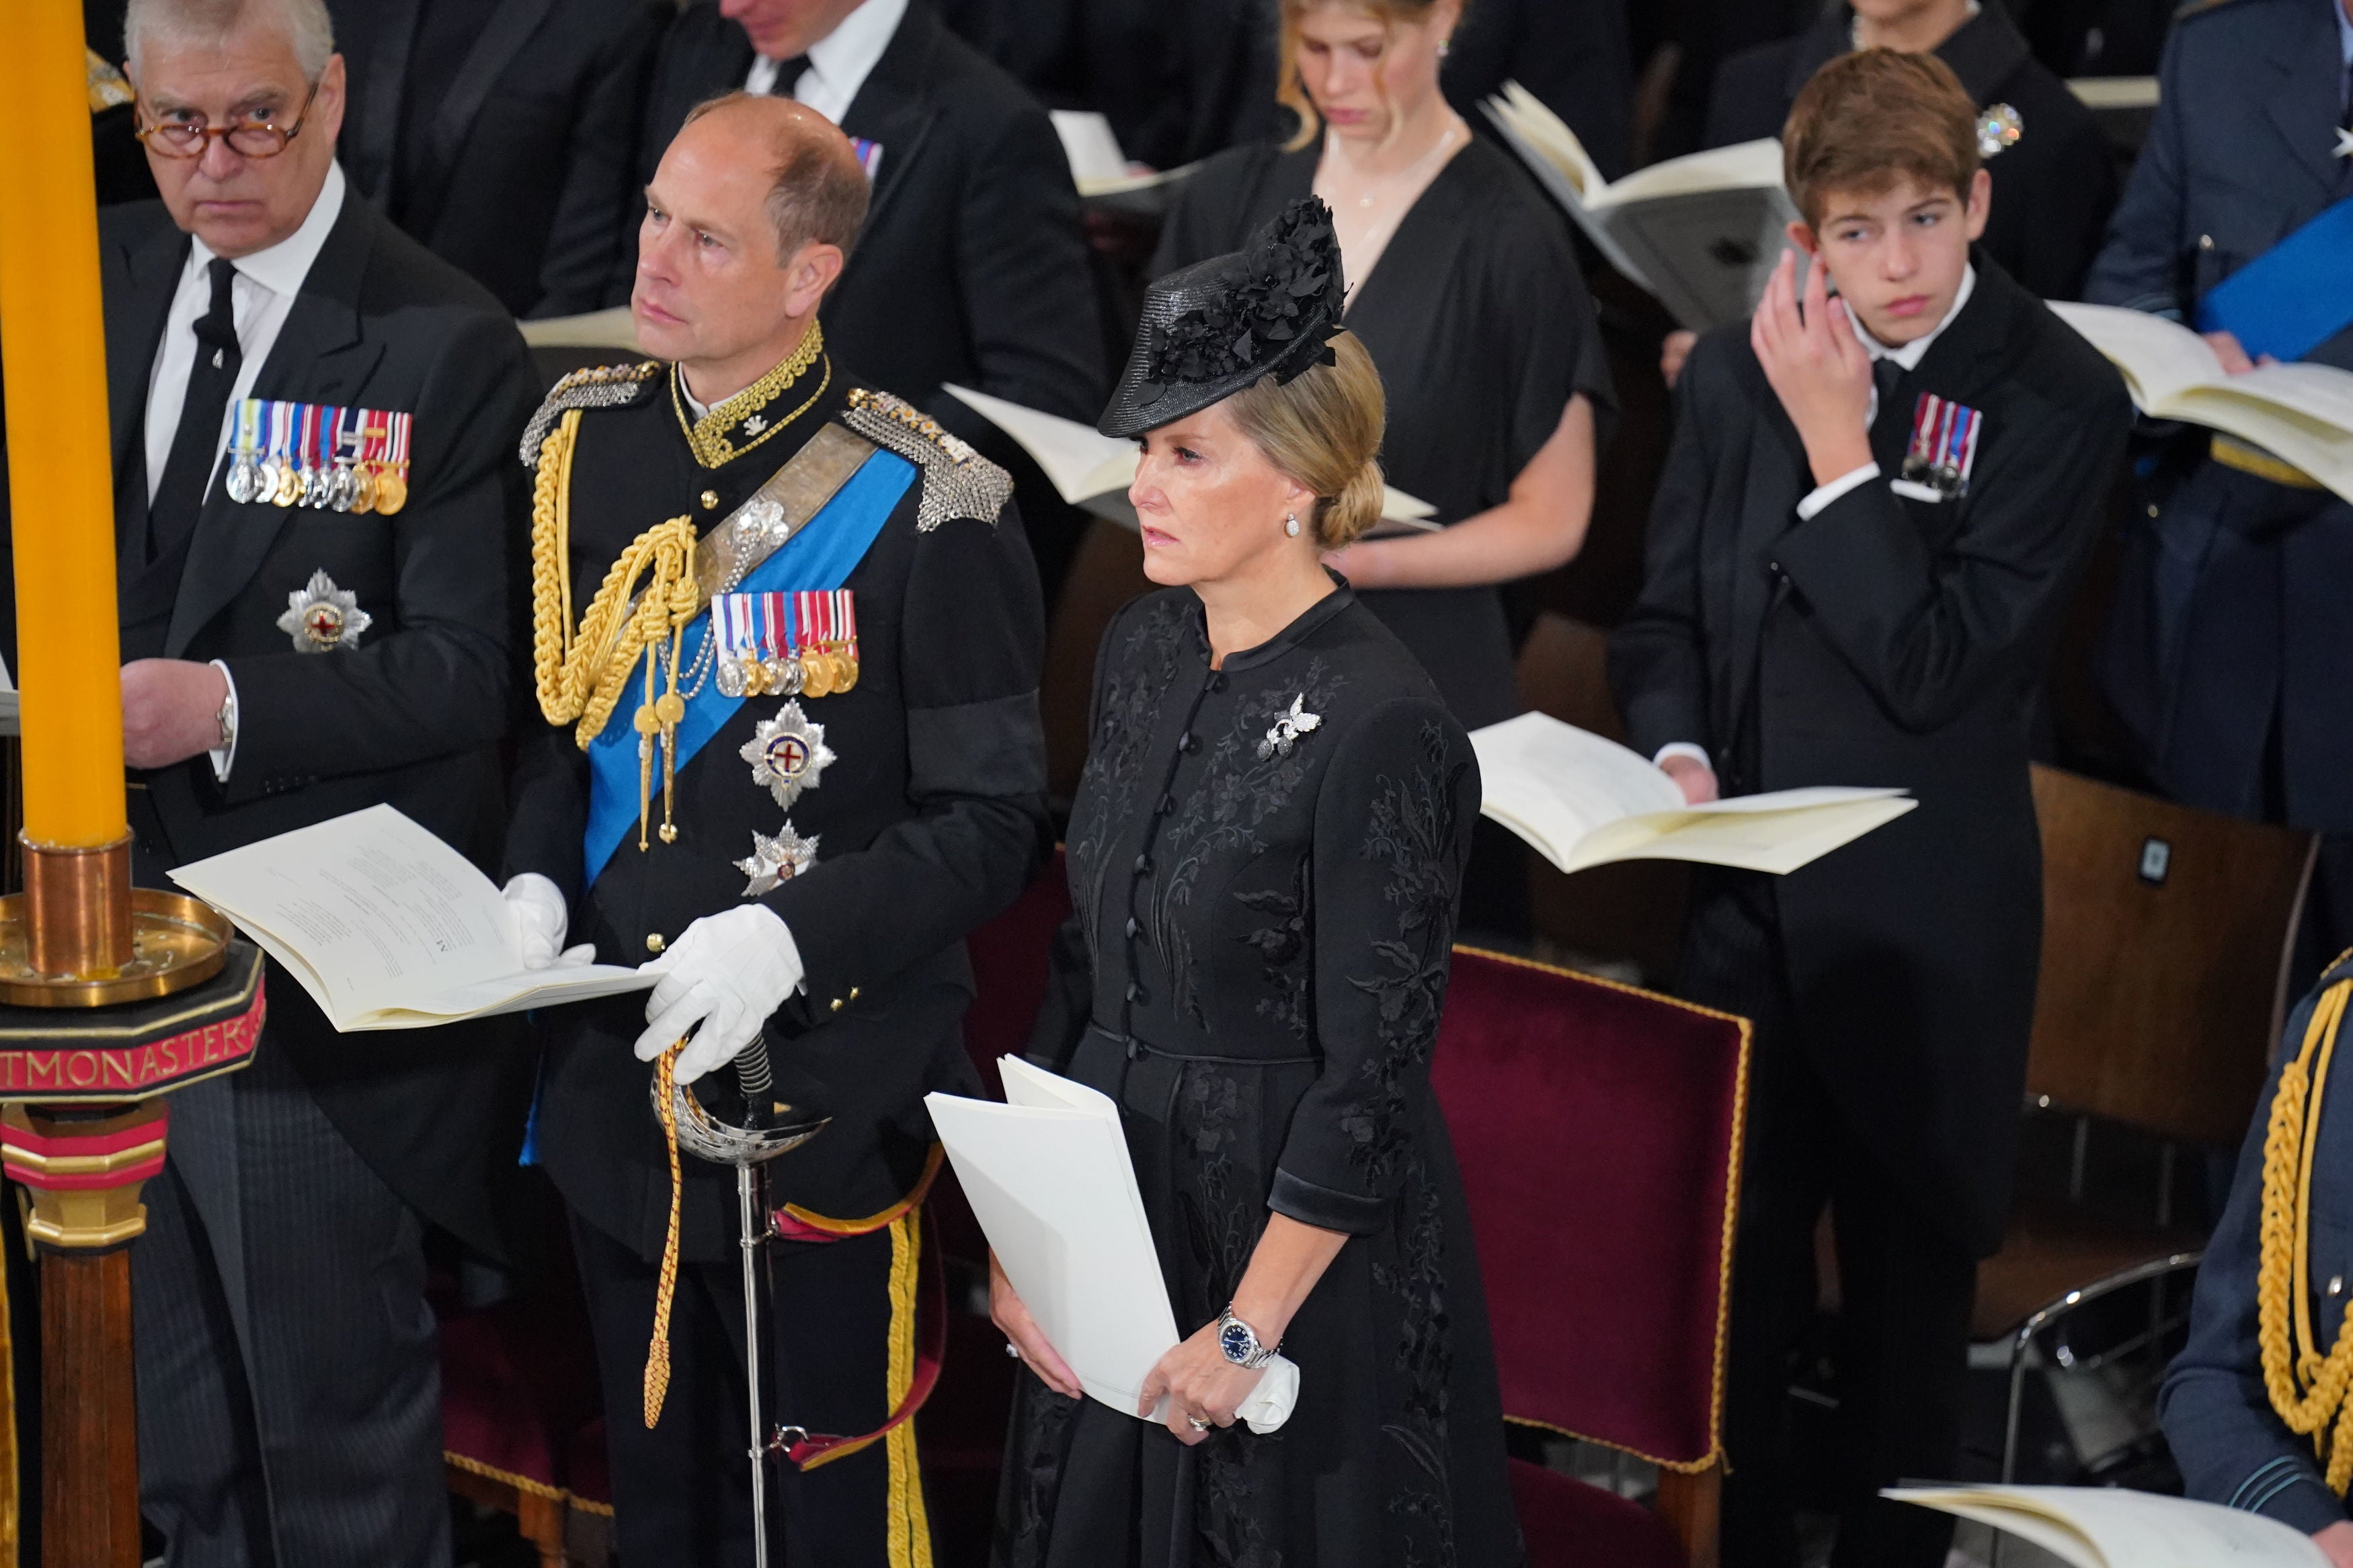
316	499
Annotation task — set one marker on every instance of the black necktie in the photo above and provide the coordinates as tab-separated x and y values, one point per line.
1884	374
788	76
172	515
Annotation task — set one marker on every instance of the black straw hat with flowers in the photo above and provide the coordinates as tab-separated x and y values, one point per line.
1270	309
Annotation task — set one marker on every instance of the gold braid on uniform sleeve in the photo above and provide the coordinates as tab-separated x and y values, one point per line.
2307	1389
581	673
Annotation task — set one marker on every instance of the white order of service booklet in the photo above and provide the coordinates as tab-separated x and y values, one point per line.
1105	179
1582	800
2301	412
1092	470
1048	1176
387	927
2109	1527
1702	233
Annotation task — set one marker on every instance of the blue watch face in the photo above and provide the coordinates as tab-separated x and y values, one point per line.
1237	1340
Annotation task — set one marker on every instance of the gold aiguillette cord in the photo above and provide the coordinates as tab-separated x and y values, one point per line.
666	1286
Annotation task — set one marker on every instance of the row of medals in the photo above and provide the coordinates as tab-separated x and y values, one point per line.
346	486
824	671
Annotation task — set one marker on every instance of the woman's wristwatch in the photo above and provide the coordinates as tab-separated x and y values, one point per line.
1240	1343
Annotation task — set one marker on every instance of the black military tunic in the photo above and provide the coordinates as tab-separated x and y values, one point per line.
929	819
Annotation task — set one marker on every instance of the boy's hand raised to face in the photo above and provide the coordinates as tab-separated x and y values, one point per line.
1818	368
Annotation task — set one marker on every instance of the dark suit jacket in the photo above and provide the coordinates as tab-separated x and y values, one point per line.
1891	642
409	716
2051	190
972	267
2239	155
1573	54
1179	79
530	181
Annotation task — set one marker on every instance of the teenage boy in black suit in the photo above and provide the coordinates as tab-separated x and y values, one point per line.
1871	518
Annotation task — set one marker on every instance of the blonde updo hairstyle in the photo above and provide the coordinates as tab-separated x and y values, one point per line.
1322	429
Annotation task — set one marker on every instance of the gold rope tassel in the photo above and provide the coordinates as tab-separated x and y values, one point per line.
666	1286
2307	1390
580	674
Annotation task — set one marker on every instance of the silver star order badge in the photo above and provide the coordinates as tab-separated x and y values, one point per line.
776	861
321	617
1999	127
1286	730
787	752
2344	143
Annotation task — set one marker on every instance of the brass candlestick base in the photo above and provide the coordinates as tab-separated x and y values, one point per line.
81	935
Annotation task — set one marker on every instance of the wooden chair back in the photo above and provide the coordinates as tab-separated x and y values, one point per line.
2167	937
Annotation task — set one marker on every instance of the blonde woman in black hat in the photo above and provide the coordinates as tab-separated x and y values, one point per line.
1265	857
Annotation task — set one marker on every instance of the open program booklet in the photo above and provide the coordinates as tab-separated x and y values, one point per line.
1092	470
2301	412
1585	801
1701	232
1099	168
1049	1178
387	927
2107	1527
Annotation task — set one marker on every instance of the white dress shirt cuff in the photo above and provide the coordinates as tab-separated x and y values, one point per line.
224	757
1821	498
1697	753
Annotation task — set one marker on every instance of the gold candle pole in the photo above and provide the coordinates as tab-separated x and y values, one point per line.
84	1127
79	935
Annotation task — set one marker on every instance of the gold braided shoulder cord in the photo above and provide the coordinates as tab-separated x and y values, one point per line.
2307	1389
580	675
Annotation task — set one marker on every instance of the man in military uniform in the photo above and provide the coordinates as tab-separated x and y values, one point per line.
788	641
2231	644
2252	1406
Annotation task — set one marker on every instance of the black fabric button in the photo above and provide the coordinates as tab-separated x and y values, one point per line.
1137	994
1135	927
1184	742
1167	804
1218	681
1143	865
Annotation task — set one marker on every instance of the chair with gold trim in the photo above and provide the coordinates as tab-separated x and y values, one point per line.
518	1383
1598	1129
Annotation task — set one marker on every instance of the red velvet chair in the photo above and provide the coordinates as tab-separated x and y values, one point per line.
1597	1128
961	1433
518	1385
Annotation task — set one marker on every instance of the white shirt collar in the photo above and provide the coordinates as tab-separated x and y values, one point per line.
1910	355
281	267
838	63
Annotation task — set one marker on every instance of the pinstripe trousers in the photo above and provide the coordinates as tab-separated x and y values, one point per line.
288	1379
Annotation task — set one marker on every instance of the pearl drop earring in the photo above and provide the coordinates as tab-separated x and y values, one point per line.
1291	525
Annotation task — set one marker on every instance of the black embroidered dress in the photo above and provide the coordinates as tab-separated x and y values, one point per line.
1260	955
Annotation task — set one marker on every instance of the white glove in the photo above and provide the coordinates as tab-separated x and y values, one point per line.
536	908
727	972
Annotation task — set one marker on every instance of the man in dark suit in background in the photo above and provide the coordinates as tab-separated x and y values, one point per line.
1179	79
1872	518
2230	648
503	134
972	267
287	664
